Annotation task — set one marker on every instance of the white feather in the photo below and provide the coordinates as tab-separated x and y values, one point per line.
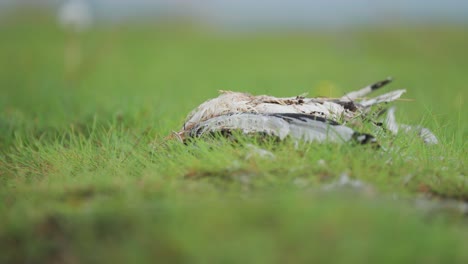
384	98
424	133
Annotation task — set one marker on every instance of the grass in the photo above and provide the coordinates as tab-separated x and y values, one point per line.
86	175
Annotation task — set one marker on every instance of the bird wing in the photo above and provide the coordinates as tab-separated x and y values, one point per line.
297	126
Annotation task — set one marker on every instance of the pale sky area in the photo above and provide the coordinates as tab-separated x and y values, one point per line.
301	13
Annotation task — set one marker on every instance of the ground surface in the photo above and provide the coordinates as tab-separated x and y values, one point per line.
86	175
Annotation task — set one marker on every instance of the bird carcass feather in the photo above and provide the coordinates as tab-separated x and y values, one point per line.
308	119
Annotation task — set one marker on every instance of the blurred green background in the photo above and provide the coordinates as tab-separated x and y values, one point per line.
87	177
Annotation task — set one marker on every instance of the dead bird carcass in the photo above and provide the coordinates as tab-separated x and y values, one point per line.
300	118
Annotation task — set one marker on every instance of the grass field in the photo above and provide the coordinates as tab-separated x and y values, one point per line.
87	177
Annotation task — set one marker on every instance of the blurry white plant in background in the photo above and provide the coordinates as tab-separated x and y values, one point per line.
75	17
